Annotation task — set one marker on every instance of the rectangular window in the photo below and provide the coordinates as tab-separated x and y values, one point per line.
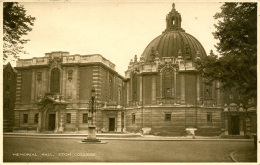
36	116
39	76
68	118
133	117
70	73
25	118
209	118
168	117
85	118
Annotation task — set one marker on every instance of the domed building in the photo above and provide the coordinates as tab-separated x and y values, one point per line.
165	94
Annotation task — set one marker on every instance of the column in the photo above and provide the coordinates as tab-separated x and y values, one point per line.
141	90
119	126
56	121
175	87
226	123
33	86
127	93
153	90
198	89
218	93
182	76
39	122
241	124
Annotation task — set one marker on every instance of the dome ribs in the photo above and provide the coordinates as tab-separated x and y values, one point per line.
158	46
168	44
193	48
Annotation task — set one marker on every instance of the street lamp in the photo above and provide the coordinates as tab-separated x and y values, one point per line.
92	105
92	127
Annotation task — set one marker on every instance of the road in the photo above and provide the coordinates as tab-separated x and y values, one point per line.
72	150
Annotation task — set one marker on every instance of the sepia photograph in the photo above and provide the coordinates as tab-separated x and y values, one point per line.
131	81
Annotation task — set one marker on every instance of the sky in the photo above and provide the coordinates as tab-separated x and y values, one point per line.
117	30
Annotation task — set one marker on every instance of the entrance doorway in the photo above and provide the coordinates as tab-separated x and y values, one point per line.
234	125
111	124
52	122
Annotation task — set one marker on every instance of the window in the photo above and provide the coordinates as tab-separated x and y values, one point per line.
133	117
25	118
68	118
55	80
134	87
9	75
85	118
7	88
168	84
208	91
36	116
209	118
6	103
70	73
168	117
39	76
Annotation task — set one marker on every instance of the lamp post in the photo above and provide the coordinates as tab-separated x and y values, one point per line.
92	127
92	103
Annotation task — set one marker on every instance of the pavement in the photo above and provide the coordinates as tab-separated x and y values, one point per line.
236	156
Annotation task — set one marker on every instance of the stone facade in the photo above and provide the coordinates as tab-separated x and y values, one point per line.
9	92
162	93
53	93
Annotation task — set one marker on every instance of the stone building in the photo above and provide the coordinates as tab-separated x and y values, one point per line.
9	89
53	93
164	91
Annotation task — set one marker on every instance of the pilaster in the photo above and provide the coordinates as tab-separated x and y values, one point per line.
153	90
182	76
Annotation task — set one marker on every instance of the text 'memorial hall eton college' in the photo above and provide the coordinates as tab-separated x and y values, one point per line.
162	92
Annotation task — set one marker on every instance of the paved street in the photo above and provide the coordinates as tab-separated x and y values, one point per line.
72	150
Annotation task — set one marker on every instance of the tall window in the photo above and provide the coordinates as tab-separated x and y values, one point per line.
133	117
39	76
208	91
168	83
36	116
68	118
25	118
55	80
70	73
209	118
134	87
85	118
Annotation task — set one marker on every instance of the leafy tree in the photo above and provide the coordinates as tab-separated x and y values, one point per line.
236	67
15	25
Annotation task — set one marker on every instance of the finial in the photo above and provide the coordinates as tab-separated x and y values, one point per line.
135	59
173	5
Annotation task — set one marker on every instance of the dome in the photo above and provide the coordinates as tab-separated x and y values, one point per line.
174	41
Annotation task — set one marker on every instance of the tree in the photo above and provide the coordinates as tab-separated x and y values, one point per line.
15	25
236	67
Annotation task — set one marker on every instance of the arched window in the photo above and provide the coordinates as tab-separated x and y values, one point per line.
134	87
168	83
55	81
